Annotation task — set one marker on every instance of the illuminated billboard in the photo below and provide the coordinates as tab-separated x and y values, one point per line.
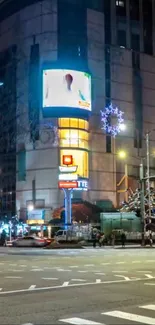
66	93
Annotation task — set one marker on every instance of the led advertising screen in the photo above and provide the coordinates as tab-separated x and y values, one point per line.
63	89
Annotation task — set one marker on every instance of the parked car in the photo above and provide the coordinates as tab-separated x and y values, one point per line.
31	241
65	235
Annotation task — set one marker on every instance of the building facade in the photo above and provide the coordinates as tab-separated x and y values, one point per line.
115	40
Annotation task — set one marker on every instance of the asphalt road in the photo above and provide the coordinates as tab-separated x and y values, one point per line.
90	286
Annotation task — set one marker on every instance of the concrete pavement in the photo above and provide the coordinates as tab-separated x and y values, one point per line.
67	287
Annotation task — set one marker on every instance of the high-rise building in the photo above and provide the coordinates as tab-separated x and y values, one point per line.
113	40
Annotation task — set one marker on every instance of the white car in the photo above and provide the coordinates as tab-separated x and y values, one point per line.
30	241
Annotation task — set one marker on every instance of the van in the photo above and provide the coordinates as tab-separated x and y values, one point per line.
65	235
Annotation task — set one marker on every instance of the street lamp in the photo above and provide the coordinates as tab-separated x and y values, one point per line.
122	127
30	208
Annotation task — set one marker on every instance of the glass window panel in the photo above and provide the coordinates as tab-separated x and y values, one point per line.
81	124
86	125
63	122
74	123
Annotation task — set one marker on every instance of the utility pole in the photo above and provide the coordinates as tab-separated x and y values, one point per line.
148	172
142	203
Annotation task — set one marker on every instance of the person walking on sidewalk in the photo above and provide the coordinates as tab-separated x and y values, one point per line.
123	239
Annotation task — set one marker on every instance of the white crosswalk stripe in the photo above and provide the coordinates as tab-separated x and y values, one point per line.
131	317
80	321
116	314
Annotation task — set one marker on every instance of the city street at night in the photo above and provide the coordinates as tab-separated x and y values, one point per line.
89	286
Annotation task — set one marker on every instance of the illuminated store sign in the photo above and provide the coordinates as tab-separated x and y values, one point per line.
68	177
82	185
67	169
65	184
67	160
63	89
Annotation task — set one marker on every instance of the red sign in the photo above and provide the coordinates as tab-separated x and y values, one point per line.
67	160
65	184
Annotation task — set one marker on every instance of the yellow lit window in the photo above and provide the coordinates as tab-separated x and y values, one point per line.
81	124
73	138
80	159
64	122
73	123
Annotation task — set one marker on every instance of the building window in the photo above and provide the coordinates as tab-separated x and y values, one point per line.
73	123
135	42
120	8
134	10
80	159
73	138
120	3
147	25
121	38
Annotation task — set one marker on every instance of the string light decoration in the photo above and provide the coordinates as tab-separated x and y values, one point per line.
106	114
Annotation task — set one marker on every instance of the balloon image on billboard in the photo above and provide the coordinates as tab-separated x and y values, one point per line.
66	89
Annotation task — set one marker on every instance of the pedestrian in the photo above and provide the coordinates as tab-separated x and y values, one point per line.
101	240
3	237
123	239
94	238
113	239
151	240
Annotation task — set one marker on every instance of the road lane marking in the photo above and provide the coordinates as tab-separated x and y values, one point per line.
149	276
126	278
105	263
99	273
149	261
72	285
78	280
98	281
120	271
83	271
149	307
74	266
63	270
89	265
13	264
50	278
120	262
131	317
65	284
79	321
17	270
136	262
32	287
37	270
13	277
144	271
23	265
150	284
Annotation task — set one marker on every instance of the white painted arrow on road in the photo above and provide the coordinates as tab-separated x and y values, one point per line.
149	276
124	277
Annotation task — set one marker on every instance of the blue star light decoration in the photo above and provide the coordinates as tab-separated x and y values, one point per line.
106	114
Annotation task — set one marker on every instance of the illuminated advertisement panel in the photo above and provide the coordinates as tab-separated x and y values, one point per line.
80	159
66	93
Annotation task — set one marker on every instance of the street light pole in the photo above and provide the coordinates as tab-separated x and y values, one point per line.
148	172
126	182
142	203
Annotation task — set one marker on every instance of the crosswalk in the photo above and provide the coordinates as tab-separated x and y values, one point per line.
144	316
